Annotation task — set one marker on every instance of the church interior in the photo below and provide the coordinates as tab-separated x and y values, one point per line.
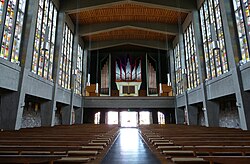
125	81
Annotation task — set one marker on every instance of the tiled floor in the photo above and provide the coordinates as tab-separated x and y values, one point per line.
129	148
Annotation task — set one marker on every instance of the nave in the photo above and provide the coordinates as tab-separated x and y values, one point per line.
129	148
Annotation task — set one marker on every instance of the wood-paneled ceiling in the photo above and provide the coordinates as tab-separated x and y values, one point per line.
126	12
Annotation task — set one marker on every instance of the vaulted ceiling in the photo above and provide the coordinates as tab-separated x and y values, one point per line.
108	23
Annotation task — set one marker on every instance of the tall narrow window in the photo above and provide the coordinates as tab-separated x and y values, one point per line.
44	45
191	58
241	27
78	87
178	70
11	18
213	39
66	58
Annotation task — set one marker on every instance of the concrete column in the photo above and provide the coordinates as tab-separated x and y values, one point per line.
192	116
119	119
45	108
84	71
138	118
102	117
167	116
78	115
155	117
66	115
242	97
211	113
172	70
73	75
179	115
58	48
210	108
12	104
8	108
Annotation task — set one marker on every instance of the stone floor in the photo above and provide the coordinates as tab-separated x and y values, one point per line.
129	148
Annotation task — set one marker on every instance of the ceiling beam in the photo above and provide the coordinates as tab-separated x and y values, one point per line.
73	6
143	43
92	29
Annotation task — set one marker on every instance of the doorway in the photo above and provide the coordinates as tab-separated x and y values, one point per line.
129	119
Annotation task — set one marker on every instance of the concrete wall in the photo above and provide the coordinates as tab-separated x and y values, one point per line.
9	75
220	86
195	96
245	74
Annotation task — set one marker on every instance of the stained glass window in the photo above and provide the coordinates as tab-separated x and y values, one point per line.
191	58
12	23
178	70
78	84
213	39
44	44
66	58
241	28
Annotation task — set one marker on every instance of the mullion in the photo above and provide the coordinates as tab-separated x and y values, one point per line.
186	61
44	43
210	52
218	36
3	20
195	58
40	38
191	72
50	43
64	56
53	33
67	59
13	30
205	43
70	59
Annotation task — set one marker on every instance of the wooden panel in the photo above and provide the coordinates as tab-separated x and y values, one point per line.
129	33
128	12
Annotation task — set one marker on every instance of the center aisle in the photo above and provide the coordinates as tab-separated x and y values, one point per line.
129	148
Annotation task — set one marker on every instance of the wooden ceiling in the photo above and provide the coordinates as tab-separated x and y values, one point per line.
129	34
127	12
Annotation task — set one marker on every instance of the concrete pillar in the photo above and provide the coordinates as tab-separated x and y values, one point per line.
210	108
102	117
211	113
167	116
138	118
78	115
242	97
46	113
192	115
73	75
66	115
119	119
179	115
9	108
155	117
